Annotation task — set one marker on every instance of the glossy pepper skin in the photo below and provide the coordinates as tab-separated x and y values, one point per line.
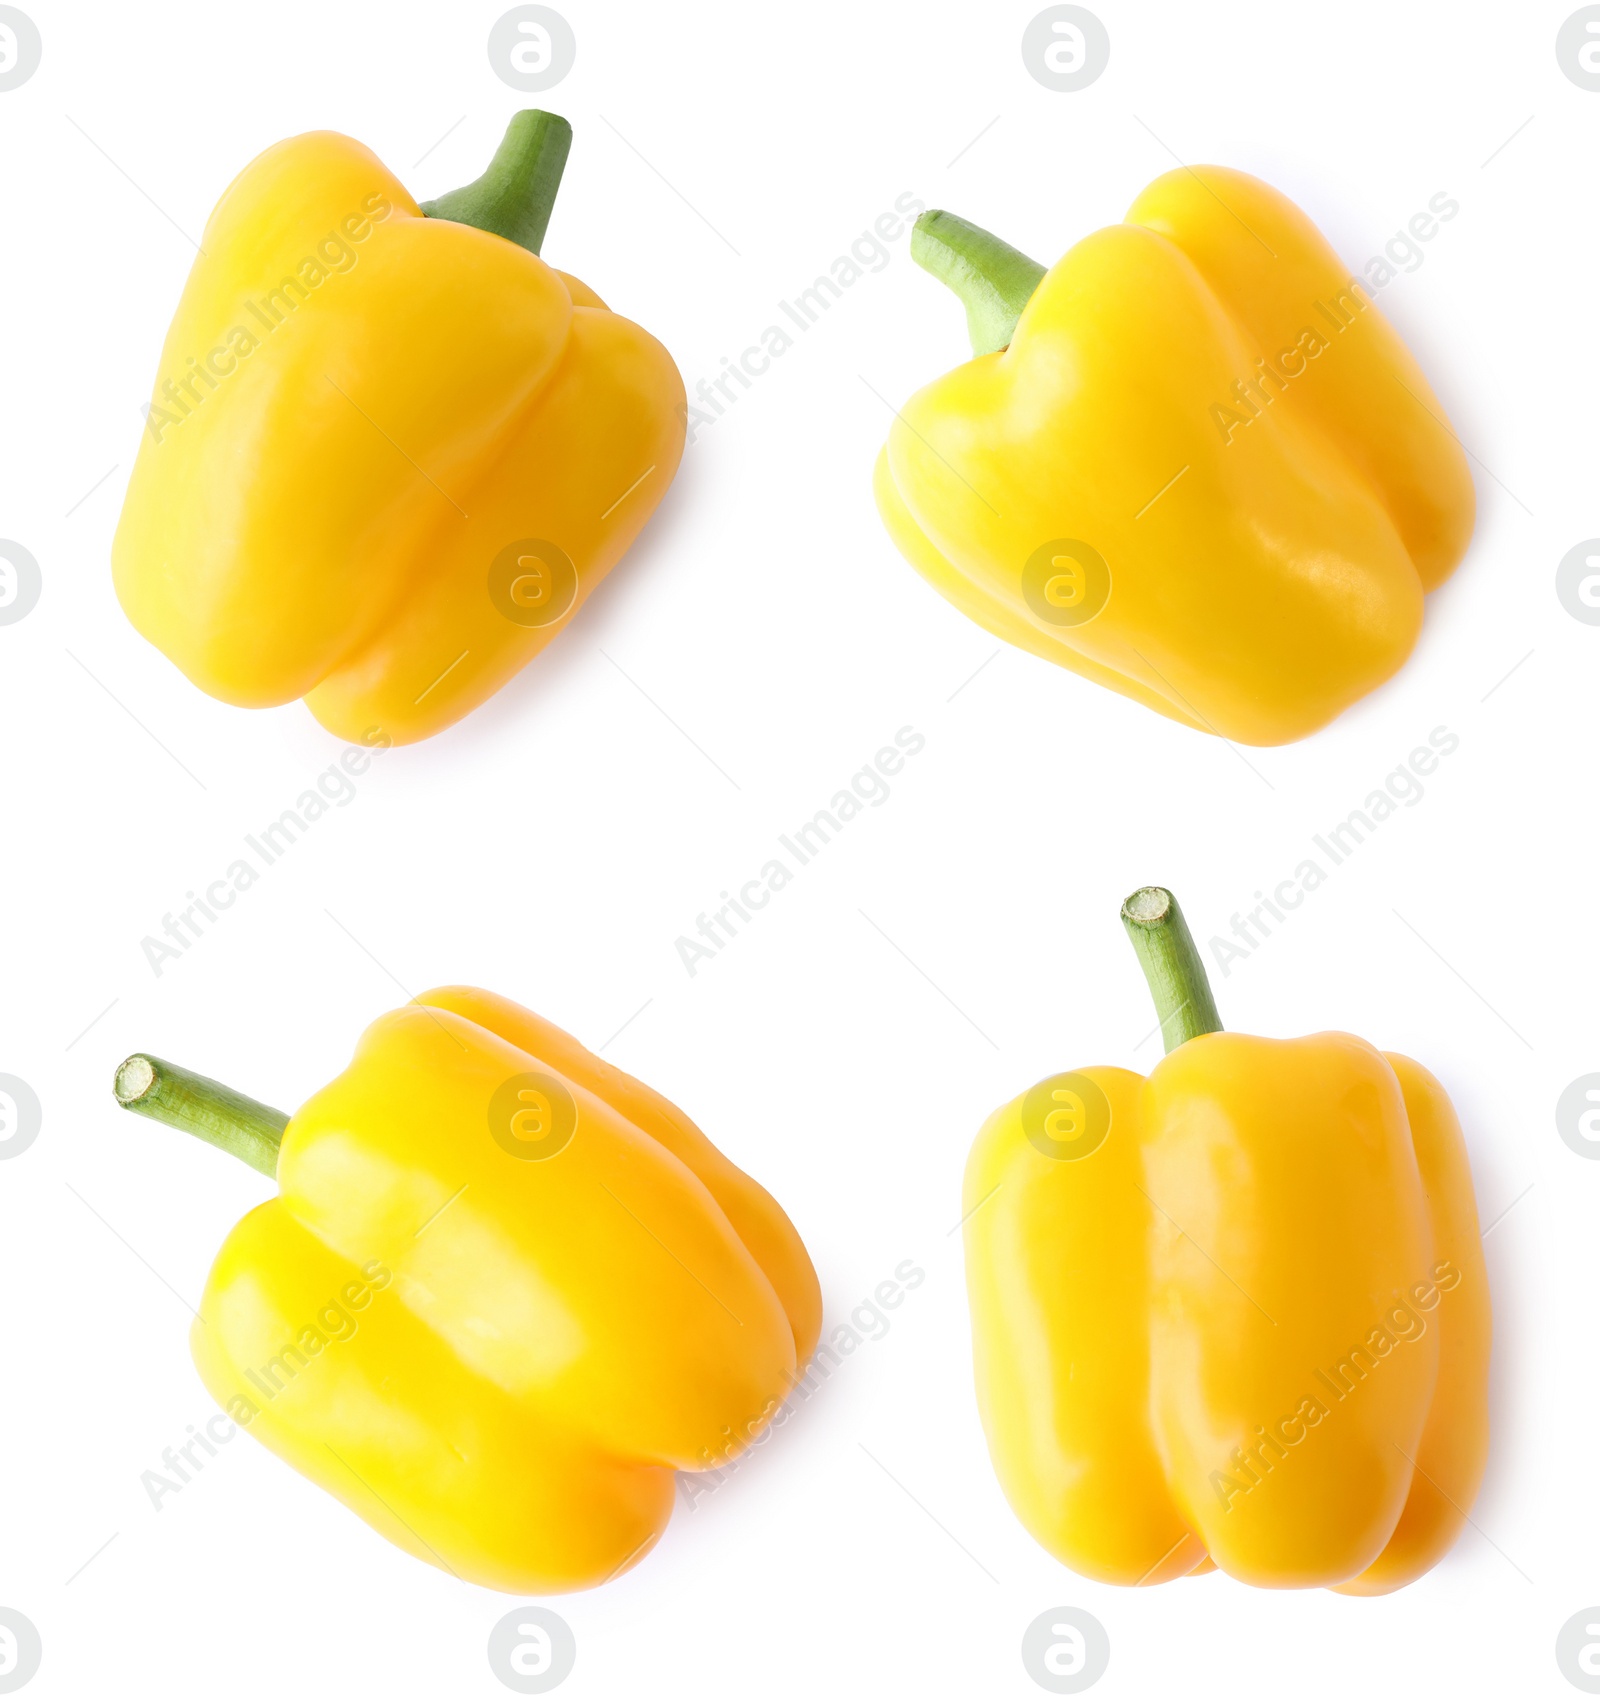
360	414
1200	407
1248	1329
500	1362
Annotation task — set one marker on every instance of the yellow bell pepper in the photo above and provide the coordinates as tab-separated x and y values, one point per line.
389	451
1192	462
504	1291
1234	1315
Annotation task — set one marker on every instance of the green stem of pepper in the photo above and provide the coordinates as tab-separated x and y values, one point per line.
995	281
206	1108
514	196
1172	966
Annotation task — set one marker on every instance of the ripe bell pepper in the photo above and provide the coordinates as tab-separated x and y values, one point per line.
504	1291
390	451
1234	1315
1192	462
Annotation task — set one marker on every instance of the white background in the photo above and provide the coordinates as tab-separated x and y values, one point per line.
555	845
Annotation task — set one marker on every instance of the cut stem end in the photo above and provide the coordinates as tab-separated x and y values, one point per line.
134	1079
